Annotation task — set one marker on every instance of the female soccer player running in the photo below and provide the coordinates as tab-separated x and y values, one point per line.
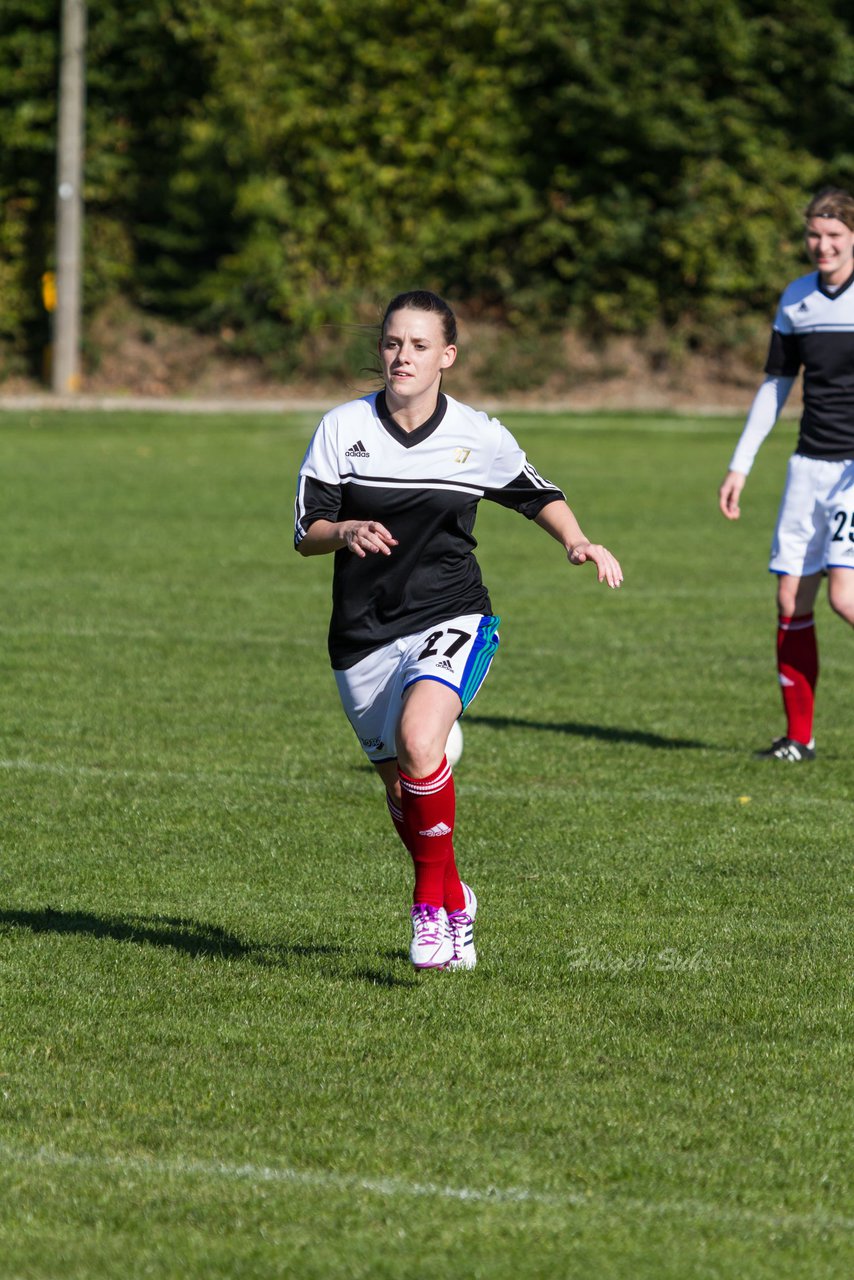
390	483
813	329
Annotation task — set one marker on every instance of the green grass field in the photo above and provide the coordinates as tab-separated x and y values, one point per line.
215	1059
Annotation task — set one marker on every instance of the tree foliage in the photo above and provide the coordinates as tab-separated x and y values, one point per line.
276	165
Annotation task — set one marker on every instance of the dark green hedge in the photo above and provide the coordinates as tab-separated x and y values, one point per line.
271	166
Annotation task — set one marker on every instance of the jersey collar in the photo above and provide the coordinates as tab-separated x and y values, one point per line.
410	438
835	293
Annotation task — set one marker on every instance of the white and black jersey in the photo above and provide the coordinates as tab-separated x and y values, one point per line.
814	330
424	486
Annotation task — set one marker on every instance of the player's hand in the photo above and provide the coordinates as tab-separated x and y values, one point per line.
607	566
729	494
364	536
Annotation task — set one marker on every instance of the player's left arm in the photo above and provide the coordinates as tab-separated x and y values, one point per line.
558	519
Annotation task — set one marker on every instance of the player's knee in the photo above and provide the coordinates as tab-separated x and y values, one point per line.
796	596
787	605
841	602
418	751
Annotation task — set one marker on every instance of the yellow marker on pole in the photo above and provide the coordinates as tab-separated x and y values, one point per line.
49	291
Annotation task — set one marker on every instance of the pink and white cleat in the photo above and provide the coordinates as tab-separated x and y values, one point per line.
431	946
461	929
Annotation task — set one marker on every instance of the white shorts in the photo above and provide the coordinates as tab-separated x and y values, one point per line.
815	524
457	653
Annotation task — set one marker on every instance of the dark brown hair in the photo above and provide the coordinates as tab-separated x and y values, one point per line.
423	300
832	202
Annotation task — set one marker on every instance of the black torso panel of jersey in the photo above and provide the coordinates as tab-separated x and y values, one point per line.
814	330
424	487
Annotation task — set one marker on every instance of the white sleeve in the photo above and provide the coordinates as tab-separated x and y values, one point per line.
513	481
319	483
321	456
764	412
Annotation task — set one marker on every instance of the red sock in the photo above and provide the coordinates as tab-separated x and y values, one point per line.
428	806
396	815
797	665
455	899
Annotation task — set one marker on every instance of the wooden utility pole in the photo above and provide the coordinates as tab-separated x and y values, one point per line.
69	199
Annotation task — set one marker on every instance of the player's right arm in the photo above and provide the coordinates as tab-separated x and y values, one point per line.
729	494
764	412
318	528
781	369
362	537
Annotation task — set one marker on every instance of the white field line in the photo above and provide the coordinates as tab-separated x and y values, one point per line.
357	786
280	640
399	1188
284	405
39	401
153	775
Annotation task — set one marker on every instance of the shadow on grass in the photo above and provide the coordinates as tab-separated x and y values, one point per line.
195	939
190	937
384	978
603	732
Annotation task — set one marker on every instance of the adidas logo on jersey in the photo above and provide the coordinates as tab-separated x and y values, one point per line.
440	829
357	450
803	307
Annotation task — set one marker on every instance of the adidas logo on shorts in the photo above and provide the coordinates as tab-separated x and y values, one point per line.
444	665
357	450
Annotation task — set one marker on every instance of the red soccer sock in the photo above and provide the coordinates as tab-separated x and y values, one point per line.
455	899
797	666
428	806
396	815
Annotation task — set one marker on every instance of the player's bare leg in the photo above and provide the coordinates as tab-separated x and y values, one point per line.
840	592
797	595
430	708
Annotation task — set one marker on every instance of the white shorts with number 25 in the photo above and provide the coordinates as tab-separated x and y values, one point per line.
457	653
815	524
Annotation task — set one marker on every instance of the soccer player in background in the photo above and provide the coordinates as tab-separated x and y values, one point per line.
814	331
390	483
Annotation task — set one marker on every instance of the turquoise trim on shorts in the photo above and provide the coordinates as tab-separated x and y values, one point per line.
483	651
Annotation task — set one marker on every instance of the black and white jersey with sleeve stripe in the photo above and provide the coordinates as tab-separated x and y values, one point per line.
424	486
814	331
